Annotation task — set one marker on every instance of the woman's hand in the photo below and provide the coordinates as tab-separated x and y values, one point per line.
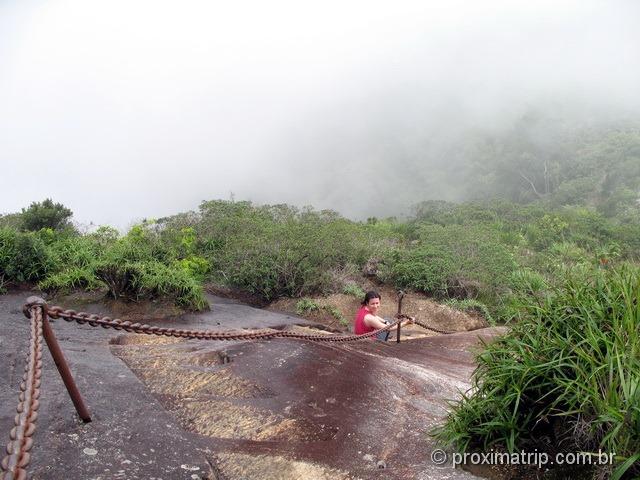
407	320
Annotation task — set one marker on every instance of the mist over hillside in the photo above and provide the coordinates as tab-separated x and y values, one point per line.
555	153
365	107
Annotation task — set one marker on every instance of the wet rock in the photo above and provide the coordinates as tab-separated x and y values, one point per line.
182	398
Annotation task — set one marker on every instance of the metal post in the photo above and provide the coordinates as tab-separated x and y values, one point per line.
400	297
63	368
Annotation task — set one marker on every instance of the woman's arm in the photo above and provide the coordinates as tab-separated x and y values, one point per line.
374	321
377	322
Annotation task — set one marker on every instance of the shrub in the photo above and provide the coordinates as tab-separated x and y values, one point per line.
71	279
471	305
197	267
354	290
335	313
11	220
450	256
306	306
527	281
568	252
546	231
425	269
476	252
132	281
628	237
23	256
134	267
274	251
569	371
104	236
46	214
73	251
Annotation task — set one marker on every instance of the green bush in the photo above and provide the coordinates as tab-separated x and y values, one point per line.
545	231
568	253
426	269
528	282
23	256
46	214
277	250
471	305
70	279
140	265
132	281
628	237
104	236
451	256
568	372
197	267
336	314
354	290
11	220
73	251
305	306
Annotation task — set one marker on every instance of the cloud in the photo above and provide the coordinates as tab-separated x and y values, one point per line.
124	110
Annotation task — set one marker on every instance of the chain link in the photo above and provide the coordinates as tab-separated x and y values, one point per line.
20	443
127	326
420	323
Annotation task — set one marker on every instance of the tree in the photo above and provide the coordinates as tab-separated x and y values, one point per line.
11	220
46	214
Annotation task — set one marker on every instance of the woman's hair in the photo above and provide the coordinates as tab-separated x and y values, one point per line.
370	295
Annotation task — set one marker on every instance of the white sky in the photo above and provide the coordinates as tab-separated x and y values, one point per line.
129	109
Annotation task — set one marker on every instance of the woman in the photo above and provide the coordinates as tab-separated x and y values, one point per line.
367	319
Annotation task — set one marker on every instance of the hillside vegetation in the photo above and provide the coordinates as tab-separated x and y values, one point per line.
487	252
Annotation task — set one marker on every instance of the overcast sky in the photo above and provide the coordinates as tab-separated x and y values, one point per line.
123	110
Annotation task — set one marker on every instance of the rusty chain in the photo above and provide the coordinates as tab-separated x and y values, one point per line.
117	324
18	456
127	326
437	330
420	323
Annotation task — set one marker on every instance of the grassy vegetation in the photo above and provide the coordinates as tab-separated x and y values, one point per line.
306	306
354	290
471	305
566	376
485	252
139	265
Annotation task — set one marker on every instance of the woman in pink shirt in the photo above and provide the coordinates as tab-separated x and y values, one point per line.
367	319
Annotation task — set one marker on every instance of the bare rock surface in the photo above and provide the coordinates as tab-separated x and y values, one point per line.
166	408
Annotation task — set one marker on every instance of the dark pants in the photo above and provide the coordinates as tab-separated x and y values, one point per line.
384	336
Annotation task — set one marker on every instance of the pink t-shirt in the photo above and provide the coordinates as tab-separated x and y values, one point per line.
359	327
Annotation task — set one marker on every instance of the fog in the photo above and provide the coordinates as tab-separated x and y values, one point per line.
125	110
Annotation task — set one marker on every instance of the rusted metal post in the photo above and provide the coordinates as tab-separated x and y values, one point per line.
63	368
59	360
400	297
